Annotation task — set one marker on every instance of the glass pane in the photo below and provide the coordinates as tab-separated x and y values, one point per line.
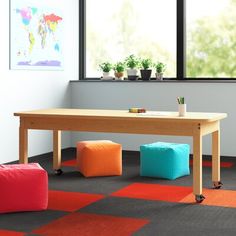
211	38
116	29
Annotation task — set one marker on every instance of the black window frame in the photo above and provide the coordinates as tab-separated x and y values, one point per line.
180	45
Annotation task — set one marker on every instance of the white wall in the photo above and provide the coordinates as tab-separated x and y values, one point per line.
202	97
25	90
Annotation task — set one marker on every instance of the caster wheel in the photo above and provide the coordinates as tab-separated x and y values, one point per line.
58	172
217	184
199	198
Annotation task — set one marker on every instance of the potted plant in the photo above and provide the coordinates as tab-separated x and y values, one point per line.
106	67
160	68
119	69
146	72
132	62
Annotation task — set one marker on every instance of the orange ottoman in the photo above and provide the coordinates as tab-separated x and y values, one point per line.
99	158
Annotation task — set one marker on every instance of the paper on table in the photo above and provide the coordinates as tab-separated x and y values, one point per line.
155	113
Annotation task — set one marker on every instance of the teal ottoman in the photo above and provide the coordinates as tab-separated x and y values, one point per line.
164	160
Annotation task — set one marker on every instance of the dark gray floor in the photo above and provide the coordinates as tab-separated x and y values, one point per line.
166	218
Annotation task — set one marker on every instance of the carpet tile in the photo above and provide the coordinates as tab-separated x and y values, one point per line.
223	164
71	162
85	224
129	207
28	221
129	204
154	192
70	201
215	197
205	163
169	218
10	233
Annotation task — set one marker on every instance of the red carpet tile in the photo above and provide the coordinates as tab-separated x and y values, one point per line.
10	233
70	201
209	164
69	163
154	192
215	197
92	224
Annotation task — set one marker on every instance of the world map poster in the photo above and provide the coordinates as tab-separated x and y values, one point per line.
36	35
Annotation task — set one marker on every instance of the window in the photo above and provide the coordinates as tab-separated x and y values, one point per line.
211	38
116	29
201	45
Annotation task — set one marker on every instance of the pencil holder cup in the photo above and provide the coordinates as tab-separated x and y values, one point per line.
182	109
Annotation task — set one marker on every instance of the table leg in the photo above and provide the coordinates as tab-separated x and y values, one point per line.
216	159
23	145
197	165
57	151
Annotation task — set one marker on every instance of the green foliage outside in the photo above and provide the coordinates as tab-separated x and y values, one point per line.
211	46
124	25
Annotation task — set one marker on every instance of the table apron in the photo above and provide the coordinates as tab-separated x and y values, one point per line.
131	126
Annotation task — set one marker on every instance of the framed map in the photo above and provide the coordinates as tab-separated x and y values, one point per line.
36	35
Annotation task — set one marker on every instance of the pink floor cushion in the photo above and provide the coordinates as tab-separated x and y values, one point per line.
23	187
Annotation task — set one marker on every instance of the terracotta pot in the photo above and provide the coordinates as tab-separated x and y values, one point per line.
119	75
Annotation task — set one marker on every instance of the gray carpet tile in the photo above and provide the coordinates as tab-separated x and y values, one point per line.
28	221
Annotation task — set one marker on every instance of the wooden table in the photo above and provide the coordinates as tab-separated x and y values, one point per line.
193	124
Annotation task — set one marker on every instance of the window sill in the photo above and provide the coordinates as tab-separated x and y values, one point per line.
159	81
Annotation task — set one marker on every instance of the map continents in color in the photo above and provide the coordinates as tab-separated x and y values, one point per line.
36	35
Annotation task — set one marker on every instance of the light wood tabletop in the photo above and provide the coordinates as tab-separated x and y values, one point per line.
60	112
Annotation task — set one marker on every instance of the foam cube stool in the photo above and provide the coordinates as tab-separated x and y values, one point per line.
23	187
164	160
99	158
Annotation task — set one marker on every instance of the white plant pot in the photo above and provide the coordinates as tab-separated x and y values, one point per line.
182	108
106	76
132	72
